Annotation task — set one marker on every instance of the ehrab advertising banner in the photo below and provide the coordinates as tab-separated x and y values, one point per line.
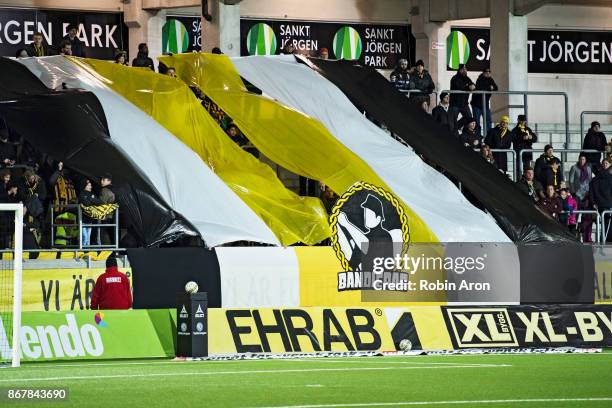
548	51
59	289
101	33
182	34
374	45
529	326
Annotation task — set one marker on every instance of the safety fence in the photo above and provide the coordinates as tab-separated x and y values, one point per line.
68	229
563	152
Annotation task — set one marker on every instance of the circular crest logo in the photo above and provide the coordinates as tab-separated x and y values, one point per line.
261	40
199	326
347	44
457	49
183	327
175	38
367	221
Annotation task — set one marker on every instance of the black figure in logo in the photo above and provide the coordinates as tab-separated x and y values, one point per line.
360	247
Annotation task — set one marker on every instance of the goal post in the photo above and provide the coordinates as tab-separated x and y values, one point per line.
11	273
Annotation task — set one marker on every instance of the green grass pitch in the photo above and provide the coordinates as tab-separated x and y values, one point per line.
528	380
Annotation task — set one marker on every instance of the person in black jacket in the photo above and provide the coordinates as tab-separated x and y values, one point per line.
594	140
400	77
461	82
499	138
421	80
37	48
87	198
600	193
553	176
76	44
543	162
523	138
471	137
530	186
446	115
8	151
142	59
484	83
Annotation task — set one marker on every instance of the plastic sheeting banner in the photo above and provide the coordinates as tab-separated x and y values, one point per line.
288	137
171	103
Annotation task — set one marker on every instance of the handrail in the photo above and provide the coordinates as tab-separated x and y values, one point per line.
604	229
582	115
559	150
513	153
80	226
410	91
598	229
525	106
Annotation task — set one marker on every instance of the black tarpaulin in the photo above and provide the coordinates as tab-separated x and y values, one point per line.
515	213
71	126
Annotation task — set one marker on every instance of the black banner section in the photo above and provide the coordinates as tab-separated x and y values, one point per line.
515	213
100	33
580	326
71	126
556	273
549	51
160	273
192	325
374	45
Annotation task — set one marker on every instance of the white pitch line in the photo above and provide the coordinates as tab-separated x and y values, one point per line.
312	370
456	402
397	362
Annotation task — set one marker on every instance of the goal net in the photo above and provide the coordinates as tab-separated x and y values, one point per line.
11	247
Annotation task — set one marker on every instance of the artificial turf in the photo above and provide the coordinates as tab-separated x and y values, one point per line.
526	380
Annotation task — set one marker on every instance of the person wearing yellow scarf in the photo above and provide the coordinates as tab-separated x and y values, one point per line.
499	138
523	138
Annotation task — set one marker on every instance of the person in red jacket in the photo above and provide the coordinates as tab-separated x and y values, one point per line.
112	290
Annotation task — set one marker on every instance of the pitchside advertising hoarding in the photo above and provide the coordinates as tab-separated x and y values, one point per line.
548	51
101	33
379	46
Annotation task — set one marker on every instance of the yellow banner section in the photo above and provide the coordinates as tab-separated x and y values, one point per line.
325	329
288	137
55	289
323	282
603	280
171	103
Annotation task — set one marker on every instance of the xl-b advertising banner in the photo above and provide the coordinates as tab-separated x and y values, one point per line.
101	33
529	326
379	46
548	51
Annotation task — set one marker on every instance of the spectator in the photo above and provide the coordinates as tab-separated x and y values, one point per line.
567	217
65	48
35	188
425	106
485	153
329	198
112	290
142	59
551	203
461	82
87	198
236	135
289	48
523	138
76	45
121	57
579	178
471	137
8	152
216	50
63	187
499	138
553	176
21	53
37	48
600	194
5	183
171	72
324	53
595	139
420	80
543	162
107	196
445	114
530	186
484	83
400	76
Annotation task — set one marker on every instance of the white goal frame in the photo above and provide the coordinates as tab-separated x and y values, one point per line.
17	280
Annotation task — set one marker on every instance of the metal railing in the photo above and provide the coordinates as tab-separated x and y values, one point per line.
512	160
583	114
525	106
605	229
80	225
563	151
596	222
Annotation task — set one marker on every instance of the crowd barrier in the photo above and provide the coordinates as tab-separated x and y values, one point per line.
78	225
249	333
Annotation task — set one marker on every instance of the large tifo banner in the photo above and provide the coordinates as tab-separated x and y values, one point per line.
101	33
548	51
375	45
152	333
